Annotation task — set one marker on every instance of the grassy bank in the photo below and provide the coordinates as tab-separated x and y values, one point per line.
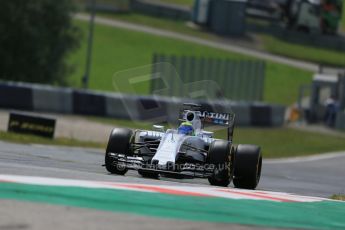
178	2
179	26
303	52
31	139
338	197
286	142
117	50
269	43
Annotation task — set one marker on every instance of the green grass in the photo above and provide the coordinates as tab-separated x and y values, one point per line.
286	142
338	197
282	83
180	26
118	49
31	139
275	142
302	52
269	43
179	2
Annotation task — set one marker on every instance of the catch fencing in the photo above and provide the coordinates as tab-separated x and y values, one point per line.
215	78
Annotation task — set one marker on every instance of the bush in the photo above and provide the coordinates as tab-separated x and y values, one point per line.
36	36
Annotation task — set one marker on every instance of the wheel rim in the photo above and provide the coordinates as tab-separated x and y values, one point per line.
114	164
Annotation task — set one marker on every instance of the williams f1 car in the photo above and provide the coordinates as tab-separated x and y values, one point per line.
186	152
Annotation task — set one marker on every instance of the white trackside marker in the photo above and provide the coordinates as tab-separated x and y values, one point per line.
202	191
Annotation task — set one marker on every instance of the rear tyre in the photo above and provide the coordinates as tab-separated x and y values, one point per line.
219	156
119	142
247	166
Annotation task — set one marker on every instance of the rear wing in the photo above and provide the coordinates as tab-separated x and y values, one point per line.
211	118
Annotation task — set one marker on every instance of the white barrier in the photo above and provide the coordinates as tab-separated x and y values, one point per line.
52	99
133	107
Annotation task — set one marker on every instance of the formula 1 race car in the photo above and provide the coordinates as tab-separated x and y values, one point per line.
186	152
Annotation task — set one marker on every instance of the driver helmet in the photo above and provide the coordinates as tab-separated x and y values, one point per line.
186	128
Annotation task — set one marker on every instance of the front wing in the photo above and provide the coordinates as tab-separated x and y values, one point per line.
186	170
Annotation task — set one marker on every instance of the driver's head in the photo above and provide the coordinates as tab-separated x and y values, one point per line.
190	116
186	128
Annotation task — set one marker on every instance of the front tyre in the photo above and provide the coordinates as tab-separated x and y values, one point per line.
119	143
219	156
247	166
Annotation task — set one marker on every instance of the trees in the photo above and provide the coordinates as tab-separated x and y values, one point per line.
36	36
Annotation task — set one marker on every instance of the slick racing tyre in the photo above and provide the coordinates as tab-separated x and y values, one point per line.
119	143
219	156
247	166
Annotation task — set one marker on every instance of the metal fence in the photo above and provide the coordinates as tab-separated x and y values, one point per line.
201	78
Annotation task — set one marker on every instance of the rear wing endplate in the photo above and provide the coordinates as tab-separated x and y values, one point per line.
213	118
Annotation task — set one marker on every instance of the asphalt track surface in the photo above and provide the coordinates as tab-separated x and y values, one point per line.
320	176
312	176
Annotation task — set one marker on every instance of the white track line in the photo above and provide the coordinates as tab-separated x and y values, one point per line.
229	193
